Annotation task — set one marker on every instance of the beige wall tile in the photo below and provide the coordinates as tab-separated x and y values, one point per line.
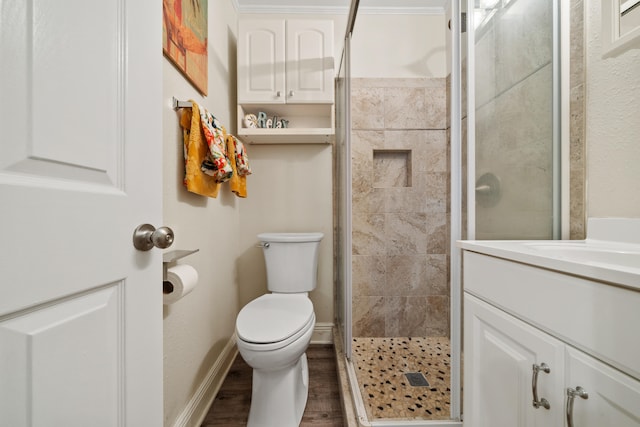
406	275
405	108
405	316
367	108
368	316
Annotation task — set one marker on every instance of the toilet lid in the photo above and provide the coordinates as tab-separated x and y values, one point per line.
273	317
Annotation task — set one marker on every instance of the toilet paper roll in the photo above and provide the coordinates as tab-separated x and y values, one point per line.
181	279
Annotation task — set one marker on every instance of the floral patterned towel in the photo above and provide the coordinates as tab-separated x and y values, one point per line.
216	164
241	158
195	153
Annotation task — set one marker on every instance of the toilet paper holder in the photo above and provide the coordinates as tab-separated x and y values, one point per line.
173	256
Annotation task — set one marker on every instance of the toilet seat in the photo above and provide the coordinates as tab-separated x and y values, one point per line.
273	321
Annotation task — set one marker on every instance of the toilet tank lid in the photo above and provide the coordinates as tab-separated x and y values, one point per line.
273	317
290	237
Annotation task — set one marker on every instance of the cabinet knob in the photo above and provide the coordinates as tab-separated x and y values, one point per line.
278	94
291	93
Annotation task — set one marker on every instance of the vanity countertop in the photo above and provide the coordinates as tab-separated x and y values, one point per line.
606	261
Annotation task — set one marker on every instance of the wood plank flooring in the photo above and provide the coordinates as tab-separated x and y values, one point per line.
231	406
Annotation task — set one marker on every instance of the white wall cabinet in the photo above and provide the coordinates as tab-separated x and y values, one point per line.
517	317
286	70
285	61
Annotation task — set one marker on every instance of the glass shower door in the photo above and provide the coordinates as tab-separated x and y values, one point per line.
516	107
342	193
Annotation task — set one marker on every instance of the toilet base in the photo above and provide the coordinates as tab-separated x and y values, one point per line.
278	398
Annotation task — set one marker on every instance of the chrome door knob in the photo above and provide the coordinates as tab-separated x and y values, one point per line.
146	236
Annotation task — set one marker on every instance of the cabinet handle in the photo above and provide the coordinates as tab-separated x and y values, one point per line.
534	386
278	94
571	395
291	93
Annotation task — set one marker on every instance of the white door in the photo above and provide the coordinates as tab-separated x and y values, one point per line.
612	398
261	61
80	156
500	352
310	61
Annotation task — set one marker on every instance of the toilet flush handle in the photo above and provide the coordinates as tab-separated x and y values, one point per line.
262	245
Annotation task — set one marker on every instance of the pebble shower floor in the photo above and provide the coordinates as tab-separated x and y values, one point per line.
381	365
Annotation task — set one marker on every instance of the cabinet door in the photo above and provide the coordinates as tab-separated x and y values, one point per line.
261	61
499	354
613	397
309	61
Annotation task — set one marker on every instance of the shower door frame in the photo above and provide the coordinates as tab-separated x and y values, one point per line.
456	224
347	197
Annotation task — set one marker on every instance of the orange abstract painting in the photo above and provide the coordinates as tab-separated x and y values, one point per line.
184	38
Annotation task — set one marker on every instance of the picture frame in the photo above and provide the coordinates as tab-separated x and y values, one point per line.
185	32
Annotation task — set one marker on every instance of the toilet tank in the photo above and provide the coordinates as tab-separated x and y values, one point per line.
292	261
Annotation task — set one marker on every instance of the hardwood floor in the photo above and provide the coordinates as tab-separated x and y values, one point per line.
231	406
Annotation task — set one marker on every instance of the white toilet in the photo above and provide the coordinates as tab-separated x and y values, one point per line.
274	330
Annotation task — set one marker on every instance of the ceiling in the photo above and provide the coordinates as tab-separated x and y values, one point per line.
334	6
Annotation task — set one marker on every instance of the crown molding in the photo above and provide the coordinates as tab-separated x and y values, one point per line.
279	9
336	10
385	10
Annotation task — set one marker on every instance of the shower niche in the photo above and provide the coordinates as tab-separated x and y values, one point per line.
392	168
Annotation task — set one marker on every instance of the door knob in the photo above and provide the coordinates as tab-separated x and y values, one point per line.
146	236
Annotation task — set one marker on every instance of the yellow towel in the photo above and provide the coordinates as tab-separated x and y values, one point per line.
237	183
195	152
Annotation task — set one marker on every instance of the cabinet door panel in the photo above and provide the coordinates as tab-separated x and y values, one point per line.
614	398
309	61
499	354
261	61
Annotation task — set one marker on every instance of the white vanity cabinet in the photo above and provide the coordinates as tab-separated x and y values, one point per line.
285	61
585	332
613	397
500	352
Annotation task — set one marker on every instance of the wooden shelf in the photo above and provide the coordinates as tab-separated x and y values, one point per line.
309	124
287	136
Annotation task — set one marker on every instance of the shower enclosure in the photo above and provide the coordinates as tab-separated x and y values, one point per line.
409	142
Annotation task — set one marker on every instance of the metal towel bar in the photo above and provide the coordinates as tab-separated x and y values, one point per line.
180	104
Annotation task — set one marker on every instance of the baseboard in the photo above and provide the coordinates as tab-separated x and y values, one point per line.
198	406
322	333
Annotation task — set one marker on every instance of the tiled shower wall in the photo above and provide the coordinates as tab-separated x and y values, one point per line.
577	124
400	207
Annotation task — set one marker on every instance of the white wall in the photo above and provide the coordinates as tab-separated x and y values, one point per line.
197	328
612	125
399	45
290	191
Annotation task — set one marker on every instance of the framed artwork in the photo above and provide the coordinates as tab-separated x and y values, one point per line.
185	32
